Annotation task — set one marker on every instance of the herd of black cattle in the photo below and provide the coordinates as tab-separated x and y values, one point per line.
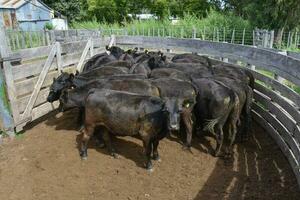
144	94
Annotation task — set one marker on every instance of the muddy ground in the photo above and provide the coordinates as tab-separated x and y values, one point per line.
43	163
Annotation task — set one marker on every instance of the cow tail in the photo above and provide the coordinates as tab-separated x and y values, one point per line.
210	124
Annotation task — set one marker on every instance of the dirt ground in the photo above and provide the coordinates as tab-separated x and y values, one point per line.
43	163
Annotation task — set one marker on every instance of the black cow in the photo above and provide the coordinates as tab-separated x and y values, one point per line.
66	81
180	98
115	51
245	94
216	105
124	114
169	73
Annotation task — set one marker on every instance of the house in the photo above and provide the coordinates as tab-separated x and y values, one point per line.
26	15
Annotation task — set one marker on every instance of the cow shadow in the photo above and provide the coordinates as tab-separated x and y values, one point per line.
64	120
125	148
259	171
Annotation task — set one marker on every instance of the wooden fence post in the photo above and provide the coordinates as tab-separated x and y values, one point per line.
5	53
243	39
276	76
58	57
6	120
83	56
233	35
194	33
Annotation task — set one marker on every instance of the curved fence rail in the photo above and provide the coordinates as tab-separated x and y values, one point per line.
275	107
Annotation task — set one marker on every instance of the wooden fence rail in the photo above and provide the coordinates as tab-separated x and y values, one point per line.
29	72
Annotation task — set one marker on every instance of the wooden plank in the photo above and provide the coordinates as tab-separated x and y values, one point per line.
39	83
8	75
35	68
285	66
284	90
26	86
283	102
83	56
281	143
112	42
280	128
42	98
275	109
43	109
66	48
58	57
28	54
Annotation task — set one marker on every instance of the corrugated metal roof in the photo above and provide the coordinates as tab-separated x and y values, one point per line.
11	4
14	4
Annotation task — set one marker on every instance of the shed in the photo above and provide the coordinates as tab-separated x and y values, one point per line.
26	15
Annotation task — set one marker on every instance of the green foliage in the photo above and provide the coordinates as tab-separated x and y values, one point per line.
49	26
69	8
268	14
188	21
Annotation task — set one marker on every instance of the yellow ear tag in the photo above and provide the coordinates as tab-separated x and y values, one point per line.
187	105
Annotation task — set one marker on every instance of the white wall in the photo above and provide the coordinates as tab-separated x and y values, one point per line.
60	24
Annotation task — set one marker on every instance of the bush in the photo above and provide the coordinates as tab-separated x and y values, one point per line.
49	26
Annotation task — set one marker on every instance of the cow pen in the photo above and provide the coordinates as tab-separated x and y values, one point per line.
276	108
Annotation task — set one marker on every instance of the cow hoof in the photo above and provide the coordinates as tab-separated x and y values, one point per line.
216	154
186	148
83	157
149	167
150	170
115	155
156	157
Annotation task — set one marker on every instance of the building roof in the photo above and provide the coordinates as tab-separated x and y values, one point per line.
15	4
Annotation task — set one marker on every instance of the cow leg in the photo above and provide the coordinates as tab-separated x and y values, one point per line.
81	118
87	132
219	138
233	131
107	139
147	143
155	152
187	119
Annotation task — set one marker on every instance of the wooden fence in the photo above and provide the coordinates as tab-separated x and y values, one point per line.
276	106
29	73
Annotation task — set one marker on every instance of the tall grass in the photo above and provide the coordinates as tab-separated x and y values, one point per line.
216	26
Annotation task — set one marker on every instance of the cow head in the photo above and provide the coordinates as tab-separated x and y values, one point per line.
63	81
178	108
156	61
115	51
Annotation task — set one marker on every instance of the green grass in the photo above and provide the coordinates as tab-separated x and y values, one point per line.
216	26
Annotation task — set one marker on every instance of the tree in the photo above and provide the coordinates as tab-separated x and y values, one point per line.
269	14
69	8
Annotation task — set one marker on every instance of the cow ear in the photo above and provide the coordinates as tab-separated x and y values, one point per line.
61	71
136	49
146	51
76	73
54	79
129	51
72	76
164	58
107	47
